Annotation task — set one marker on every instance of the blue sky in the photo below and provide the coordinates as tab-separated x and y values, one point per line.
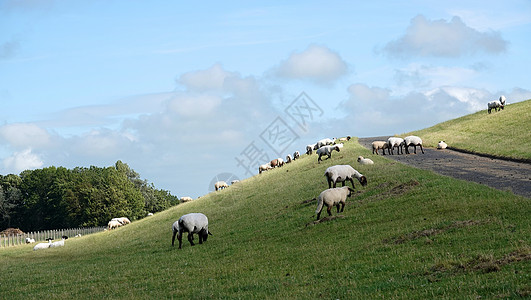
189	93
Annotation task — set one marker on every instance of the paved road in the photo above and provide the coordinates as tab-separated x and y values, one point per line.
496	173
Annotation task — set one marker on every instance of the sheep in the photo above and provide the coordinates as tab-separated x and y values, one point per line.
264	167
379	145
122	220
441	145
113	224
149	214
397	142
345	139
296	155
333	197
60	243
324	142
326	150
78	235
185	199
342	173
43	245
191	223
277	162
365	161
340	145
413	141
234	181
310	148
288	159
220	185
502	100
30	240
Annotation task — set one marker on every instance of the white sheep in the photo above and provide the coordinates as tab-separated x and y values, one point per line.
60	243
191	223
345	139
365	161
113	224
310	148
30	240
342	173
441	145
78	235
288	159
333	197
185	199
413	141
340	145
324	142
234	181
220	185
326	150
43	245
122	220
502	100
397	142
149	214
264	167
277	162
296	155
379	145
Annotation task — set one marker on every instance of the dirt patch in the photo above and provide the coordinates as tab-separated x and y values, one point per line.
497	173
429	232
396	190
12	231
325	219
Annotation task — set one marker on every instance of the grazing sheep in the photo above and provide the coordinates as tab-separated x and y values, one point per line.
288	159
340	145
191	223
277	162
342	173
185	199
413	141
333	197
326	150
502	100
365	161
122	220
395	142
264	167
113	224
441	145
310	148
379	145
296	155
324	142
60	243
220	185
30	240
234	181
43	245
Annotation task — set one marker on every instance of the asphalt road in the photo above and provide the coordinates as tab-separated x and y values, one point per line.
499	174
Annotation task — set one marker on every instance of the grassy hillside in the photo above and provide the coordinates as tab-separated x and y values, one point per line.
408	234
505	133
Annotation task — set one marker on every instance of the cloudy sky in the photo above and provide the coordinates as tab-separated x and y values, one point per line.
190	93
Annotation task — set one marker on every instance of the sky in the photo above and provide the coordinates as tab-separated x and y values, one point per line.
188	94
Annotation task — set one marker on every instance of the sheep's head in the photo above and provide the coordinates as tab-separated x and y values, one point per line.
337	148
360	158
363	180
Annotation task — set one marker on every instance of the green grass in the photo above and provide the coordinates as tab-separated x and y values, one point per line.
505	133
408	234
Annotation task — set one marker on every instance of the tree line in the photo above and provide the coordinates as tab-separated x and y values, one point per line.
57	197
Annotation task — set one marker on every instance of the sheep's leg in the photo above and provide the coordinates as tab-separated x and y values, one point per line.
180	238
342	206
200	237
338	208
329	210
383	151
191	238
352	182
173	238
421	149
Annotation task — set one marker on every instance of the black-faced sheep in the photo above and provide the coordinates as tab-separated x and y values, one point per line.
264	167
413	141
277	162
342	173
60	243
40	246
345	139
296	155
288	159
379	145
310	148
324	142
326	150
333	197
365	161
395	142
191	223
185	199
113	224
442	145
219	185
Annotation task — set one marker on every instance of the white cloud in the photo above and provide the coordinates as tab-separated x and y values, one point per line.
316	63
23	135
23	160
440	38
194	105
205	80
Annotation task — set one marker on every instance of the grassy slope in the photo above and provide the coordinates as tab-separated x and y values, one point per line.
486	133
408	234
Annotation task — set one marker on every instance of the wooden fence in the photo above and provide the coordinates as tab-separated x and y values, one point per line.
39	236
